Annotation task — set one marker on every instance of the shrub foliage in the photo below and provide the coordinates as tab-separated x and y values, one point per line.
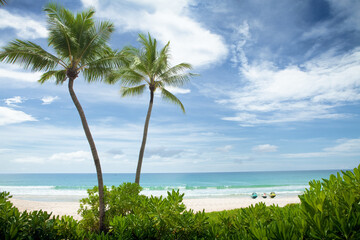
329	209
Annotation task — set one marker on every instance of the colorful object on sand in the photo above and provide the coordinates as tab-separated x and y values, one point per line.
264	195
272	195
254	195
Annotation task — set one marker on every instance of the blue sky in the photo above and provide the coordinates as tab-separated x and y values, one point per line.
278	90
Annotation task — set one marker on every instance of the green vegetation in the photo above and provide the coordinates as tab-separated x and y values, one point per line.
329	209
148	67
81	46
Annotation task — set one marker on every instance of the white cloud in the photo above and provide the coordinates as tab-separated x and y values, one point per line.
162	152
14	100
16	73
29	160
225	148
176	90
173	90
10	116
90	3
78	156
240	36
48	99
345	147
296	93
166	21
175	144
265	148
25	26
5	150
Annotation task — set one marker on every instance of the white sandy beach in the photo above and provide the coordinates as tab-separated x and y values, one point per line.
209	204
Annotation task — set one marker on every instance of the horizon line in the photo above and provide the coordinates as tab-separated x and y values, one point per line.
301	170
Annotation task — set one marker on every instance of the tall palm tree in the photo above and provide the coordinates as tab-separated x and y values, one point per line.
81	46
148	67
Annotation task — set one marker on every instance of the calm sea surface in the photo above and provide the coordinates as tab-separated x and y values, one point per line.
71	187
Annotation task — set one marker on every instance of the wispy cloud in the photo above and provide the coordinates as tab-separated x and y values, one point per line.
162	152
345	147
11	116
175	145
265	148
26	27
167	21
78	156
14	72
48	99
240	36
177	90
296	93
225	148
13	101
345	16
4	150
29	160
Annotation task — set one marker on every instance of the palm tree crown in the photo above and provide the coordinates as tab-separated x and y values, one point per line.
148	67
80	45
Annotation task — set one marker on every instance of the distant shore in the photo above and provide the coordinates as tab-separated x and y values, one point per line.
198	204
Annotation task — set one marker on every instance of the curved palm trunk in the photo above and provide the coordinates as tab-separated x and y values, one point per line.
94	154
142	149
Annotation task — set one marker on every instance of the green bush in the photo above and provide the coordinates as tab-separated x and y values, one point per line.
332	207
329	209
119	201
16	225
257	222
36	224
130	215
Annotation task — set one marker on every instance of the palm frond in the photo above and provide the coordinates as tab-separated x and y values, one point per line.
58	13
162	60
139	65
158	84
2	2
112	77
98	37
83	22
178	80
174	76
169	97
102	67
29	55
132	91
59	76
92	74
132	71
149	50
130	51
177	69
60	21
128	77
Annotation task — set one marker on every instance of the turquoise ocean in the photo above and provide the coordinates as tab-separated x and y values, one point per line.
72	187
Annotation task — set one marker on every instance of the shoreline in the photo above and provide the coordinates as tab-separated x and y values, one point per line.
196	204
